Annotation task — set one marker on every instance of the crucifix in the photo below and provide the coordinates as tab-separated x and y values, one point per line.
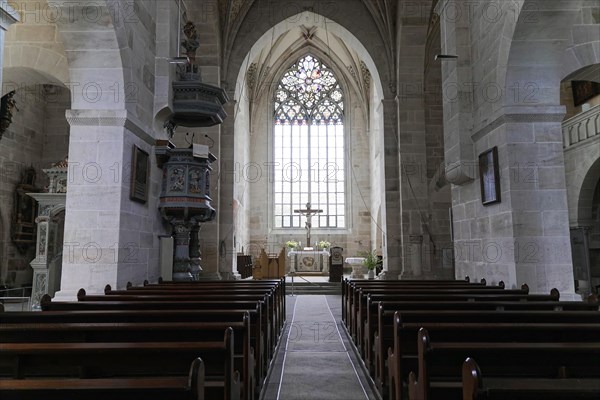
308	212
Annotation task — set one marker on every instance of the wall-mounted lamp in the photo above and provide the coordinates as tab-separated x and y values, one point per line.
445	57
210	146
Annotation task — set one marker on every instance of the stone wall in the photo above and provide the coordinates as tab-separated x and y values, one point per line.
504	92
38	137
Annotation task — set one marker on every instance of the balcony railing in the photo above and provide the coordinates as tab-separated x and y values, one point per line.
581	127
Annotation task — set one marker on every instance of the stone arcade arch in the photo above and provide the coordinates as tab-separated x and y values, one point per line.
108	238
517	60
255	86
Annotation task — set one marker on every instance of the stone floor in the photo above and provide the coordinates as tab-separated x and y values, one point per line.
315	361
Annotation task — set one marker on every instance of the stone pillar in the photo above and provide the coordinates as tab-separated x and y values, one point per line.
108	238
524	238
227	251
536	198
392	248
412	143
8	16
458	97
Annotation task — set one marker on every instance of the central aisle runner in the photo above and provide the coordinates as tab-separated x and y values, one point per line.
316	363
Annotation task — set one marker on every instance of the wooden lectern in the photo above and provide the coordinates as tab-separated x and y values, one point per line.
270	266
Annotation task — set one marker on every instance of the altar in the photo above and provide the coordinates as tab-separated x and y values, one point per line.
309	261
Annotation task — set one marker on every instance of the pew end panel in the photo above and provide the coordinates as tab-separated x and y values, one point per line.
471	379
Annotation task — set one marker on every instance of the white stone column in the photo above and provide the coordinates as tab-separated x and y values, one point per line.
537	198
227	251
108	238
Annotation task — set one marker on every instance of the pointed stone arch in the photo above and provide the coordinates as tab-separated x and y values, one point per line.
544	47
256	32
96	44
267	40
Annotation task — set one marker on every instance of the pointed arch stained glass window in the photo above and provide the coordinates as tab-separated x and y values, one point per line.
309	146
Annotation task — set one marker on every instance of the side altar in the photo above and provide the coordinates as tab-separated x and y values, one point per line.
309	261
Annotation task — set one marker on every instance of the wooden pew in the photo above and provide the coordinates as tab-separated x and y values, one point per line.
481	325
515	387
91	332
349	287
440	362
276	297
440	295
356	291
378	329
174	311
128	359
189	387
201	301
277	284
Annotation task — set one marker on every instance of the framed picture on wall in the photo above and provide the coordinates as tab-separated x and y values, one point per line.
140	169
489	174
584	91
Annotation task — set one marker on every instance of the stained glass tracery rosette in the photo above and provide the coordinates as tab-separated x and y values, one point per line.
309	92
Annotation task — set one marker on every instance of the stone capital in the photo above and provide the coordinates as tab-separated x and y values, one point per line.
460	172
522	115
8	15
112	118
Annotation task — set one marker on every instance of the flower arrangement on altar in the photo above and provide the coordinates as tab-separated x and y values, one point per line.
323	244
292	244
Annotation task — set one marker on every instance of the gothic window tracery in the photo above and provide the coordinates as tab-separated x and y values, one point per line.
309	146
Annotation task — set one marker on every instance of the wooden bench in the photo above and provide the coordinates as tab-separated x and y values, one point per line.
91	332
350	286
515	387
276	296
189	387
355	292
378	329
270	323
278	286
136	311
440	362
360	313
24	361
483	326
